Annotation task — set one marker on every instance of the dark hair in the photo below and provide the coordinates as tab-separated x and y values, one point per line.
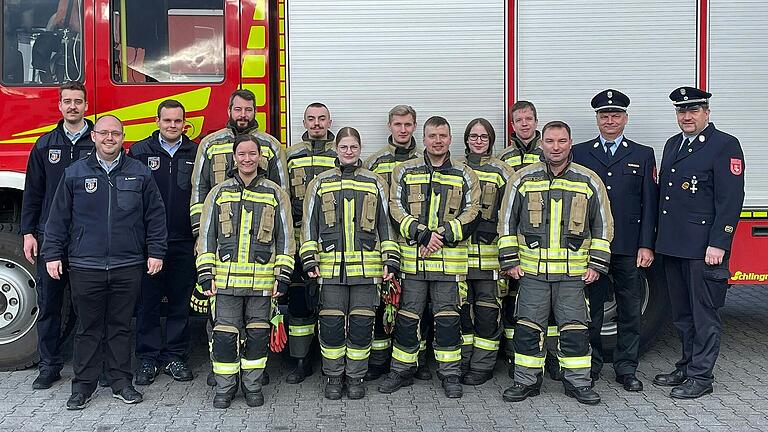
242	94
348	132
316	105
556	124
169	104
241	138
73	85
436	121
488	127
521	105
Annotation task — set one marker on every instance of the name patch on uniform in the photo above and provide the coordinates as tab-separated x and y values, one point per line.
631	165
728	229
736	166
91	184
54	155
153	162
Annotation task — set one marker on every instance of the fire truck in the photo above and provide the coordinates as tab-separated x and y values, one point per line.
455	58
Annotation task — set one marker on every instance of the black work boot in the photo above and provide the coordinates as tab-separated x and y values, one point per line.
474	378
355	388
452	387
333	388
520	392
422	372
395	382
254	398
302	370
223	400
672	379
584	394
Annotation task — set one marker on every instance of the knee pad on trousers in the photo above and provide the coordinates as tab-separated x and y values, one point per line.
256	340
447	329
407	329
466	319
361	327
487	319
529	338
224	344
332	332
574	340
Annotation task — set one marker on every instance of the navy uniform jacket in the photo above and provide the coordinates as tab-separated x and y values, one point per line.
630	178
701	194
106	221
173	176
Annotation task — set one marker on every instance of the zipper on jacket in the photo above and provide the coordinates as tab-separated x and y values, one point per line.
109	218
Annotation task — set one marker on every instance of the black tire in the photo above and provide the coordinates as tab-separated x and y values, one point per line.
655	311
18	303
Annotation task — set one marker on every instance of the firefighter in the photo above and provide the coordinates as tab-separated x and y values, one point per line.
702	182
51	154
434	201
401	146
214	160
170	156
555	231
348	246
628	170
314	154
481	314
245	257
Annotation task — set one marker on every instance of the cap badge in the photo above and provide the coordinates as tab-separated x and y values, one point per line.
609	94
682	91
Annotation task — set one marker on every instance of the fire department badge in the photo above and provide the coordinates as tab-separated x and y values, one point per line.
685	185
54	155
90	185
153	162
736	166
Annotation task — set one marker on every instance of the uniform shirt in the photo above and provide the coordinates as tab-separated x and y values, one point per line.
170	147
75	136
108	166
614	147
383	162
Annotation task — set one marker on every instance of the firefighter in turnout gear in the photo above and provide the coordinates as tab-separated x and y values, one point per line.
214	161
245	257
434	202
555	230
481	314
313	155
347	244
401	146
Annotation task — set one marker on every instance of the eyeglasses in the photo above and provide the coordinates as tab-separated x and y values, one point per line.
475	137
114	134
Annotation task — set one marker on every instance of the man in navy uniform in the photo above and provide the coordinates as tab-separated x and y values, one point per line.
628	170
701	193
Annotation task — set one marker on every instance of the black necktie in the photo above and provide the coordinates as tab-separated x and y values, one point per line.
684	145
608	146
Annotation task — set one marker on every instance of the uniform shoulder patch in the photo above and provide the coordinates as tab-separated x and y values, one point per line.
736	166
54	155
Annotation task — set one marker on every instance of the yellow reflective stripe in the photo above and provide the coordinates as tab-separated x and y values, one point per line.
434	206
552	331
413	178
583	362
448	356
308	161
196	209
358	354
446	260
458	233
260	363
349	224
244	268
467	339
309	246
381	344
514	160
555	220
405	225
601	245
207	258
220	148
531	158
490	177
561	184
332	353
529	361
247	195
508	241
486	344
448	179
301	330
226	368
509	333
244	246
390	246
385	167
403	356
284	260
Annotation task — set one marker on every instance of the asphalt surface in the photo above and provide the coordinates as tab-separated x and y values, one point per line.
739	403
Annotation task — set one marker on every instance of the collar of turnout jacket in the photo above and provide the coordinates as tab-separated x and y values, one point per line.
384	161
519	155
346	230
306	160
555	227
246	237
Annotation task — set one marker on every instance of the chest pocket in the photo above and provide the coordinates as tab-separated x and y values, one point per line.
535	209
488	200
297	182
368	213
695	182
266	225
128	192
184	174
225	219
452	204
328	206
219	168
578	214
415	200
633	175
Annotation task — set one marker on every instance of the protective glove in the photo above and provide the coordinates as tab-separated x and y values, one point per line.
199	301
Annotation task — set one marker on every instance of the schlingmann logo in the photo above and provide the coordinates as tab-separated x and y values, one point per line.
758	277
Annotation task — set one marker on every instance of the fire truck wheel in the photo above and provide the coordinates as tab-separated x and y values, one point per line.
18	303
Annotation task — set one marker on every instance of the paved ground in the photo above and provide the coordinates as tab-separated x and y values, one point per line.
740	401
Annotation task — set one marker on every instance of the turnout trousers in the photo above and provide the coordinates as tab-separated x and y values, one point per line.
481	325
302	313
346	324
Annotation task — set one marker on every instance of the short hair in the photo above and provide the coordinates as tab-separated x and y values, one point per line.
436	121
348	132
521	105
170	104
316	105
242	94
488	127
556	124
241	138
73	85
107	116
401	110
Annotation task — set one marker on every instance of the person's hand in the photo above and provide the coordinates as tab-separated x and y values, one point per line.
209	290
55	269
279	289
387	275
644	257
30	248
314	273
590	276
154	265
714	256
515	272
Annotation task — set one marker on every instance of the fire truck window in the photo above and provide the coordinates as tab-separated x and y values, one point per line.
167	41
42	44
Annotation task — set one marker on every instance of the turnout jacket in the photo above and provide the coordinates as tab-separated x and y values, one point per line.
51	154
306	160
383	161
215	159
701	194
520	155
105	221
173	177
346	231
246	237
555	228
426	199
